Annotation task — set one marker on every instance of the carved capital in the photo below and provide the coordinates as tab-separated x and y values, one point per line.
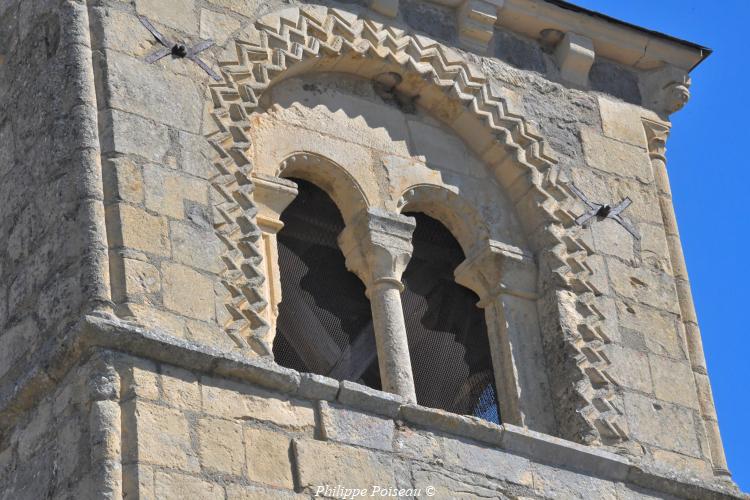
666	90
272	196
377	246
657	134
496	268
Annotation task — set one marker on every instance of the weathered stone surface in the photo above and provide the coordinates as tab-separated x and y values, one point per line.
356	428
166	191
181	389
188	292
674	381
162	436
177	486
322	463
196	246
616	157
268	457
649	418
216	26
179	14
143	231
220	446
233	400
622	121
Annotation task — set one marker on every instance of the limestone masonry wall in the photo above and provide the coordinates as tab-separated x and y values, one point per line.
138	210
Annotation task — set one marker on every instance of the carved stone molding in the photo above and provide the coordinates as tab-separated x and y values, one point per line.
314	38
665	90
377	246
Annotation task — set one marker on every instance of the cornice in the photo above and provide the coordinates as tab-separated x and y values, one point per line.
613	39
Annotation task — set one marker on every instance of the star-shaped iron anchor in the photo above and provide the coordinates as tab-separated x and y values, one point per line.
178	50
605	211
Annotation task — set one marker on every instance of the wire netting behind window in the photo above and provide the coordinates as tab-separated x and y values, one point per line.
325	322
447	333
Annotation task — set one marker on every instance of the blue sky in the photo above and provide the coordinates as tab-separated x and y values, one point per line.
710	179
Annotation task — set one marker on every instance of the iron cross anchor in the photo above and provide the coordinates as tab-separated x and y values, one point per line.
605	211
178	49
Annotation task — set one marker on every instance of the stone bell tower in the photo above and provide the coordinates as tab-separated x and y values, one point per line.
395	248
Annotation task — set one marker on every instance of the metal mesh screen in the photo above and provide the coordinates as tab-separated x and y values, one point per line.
447	333
325	323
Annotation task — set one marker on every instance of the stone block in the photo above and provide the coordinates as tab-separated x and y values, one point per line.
654	249
220	446
553	482
141	380
488	461
127	133
247	8
659	330
141	278
645	206
674	381
161	434
661	424
124	180
419	444
149	91
616	157
317	387
188	292
118	33
216	26
158	320
268	457
138	481
460	425
325	463
242	492
444	483
623	121
181	388
196	247
675	461
196	154
16	342
364	398
559	452
611	238
209	334
353	427
178	14
230	399
629	368
648	287
167	189
141	231
175	486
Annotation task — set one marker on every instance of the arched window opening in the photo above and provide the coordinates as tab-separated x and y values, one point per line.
447	332
324	324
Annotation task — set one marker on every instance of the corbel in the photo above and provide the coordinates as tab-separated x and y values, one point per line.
575	55
666	90
476	22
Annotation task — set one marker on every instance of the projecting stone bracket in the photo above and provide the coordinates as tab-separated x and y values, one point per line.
575	55
476	22
665	90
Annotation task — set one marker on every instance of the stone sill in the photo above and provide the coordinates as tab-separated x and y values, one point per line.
104	331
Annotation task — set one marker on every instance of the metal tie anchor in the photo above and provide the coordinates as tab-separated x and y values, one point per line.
178	50
605	211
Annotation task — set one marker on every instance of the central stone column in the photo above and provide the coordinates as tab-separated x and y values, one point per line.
377	246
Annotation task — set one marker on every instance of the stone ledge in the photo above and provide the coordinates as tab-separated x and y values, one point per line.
104	331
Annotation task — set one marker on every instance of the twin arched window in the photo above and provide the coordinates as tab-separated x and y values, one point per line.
325	324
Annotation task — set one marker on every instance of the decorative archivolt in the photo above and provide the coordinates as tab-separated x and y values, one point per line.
318	39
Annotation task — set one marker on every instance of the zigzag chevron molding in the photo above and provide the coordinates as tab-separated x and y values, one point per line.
318	39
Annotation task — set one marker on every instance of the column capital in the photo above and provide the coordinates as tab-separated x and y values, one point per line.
377	246
272	195
666	90
657	134
494	268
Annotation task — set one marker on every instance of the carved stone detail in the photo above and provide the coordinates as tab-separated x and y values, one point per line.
575	56
312	37
666	90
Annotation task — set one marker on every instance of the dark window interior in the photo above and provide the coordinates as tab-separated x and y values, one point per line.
447	333
325	323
